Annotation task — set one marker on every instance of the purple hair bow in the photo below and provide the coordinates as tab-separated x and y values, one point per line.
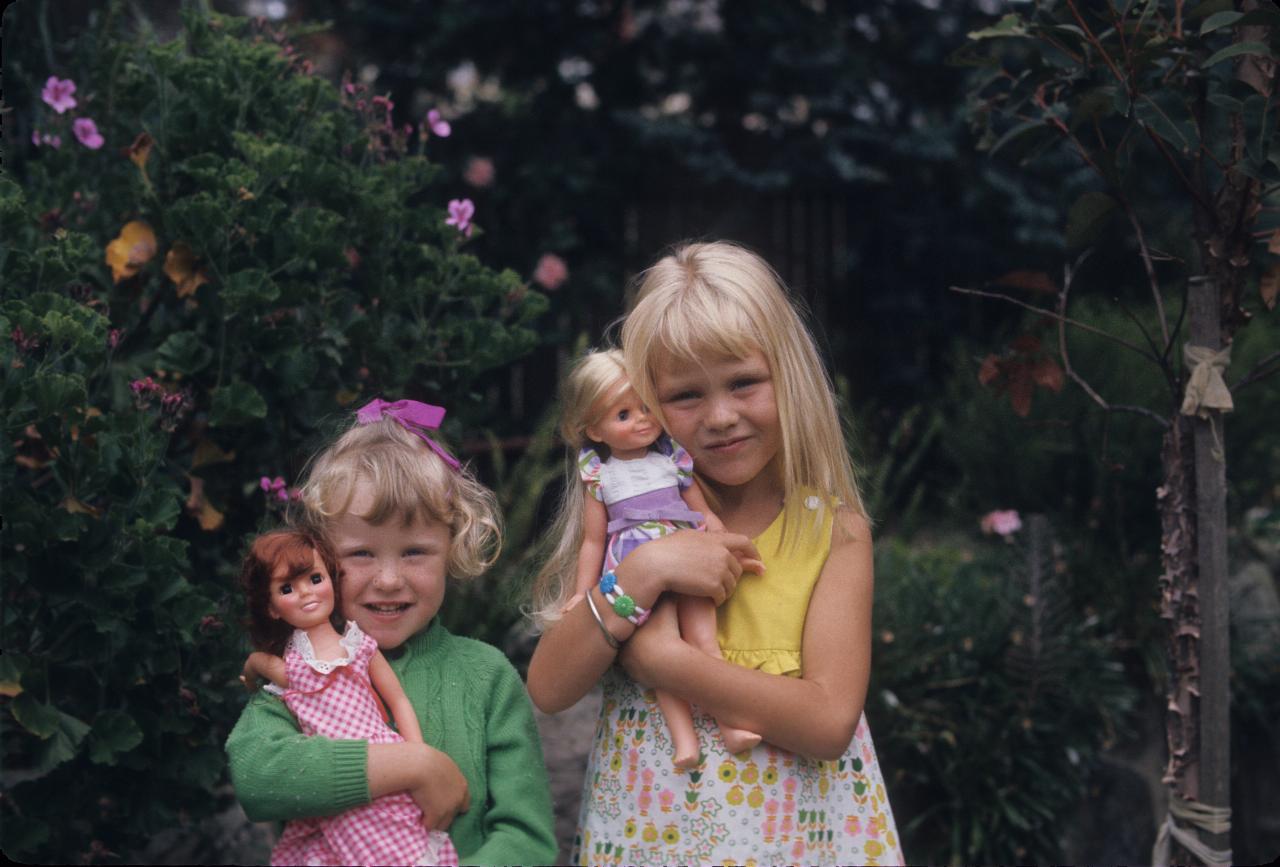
411	415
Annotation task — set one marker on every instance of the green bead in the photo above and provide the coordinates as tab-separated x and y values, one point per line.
624	606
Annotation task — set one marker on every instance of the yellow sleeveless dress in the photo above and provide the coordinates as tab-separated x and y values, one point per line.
766	806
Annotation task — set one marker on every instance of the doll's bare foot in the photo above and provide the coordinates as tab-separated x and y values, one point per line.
687	759
738	740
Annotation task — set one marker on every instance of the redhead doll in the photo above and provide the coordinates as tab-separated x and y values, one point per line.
634	485
327	680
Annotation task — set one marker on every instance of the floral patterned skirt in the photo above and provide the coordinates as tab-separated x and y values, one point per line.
766	806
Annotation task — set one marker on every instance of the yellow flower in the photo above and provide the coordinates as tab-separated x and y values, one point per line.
874	848
670	835
770	776
728	773
734	796
756	798
180	267
750	773
615	763
134	247
880	793
650	833
629	829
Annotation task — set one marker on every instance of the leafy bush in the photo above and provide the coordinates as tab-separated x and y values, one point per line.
991	696
186	316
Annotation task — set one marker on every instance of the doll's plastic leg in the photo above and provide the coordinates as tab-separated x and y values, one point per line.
698	627
680	724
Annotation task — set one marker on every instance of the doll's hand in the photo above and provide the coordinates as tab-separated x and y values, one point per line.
442	792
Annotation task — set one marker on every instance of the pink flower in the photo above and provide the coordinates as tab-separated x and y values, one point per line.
550	272
460	213
480	172
113	338
1001	523
43	138
438	124
87	133
57	93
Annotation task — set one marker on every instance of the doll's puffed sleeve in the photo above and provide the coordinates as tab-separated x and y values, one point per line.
683	462
589	465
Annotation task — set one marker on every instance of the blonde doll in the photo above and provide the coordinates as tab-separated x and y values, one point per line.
327	680
401	516
716	349
629	484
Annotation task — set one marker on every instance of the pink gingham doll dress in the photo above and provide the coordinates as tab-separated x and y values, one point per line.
335	699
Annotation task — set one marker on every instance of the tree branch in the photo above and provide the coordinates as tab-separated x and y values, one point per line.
1061	316
1056	316
1258	372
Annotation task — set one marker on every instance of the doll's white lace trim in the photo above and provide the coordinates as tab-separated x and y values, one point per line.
350	642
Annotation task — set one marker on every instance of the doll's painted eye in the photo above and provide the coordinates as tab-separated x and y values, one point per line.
624	414
317	578
286	589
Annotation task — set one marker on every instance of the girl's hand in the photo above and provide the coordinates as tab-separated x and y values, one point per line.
440	791
697	564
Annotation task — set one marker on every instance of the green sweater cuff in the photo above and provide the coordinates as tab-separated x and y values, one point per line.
350	774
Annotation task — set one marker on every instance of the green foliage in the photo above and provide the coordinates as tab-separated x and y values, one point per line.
991	696
139	410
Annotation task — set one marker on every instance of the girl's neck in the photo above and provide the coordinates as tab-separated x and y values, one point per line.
751	507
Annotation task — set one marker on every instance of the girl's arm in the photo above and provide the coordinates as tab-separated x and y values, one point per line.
392	692
572	654
814	715
264	666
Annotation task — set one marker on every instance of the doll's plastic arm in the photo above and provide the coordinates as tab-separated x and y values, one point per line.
264	666
595	531
696	500
392	692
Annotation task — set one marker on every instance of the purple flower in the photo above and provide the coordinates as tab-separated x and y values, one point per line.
438	124
87	133
460	213
57	93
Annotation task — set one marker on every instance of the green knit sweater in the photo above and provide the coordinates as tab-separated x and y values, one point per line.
471	705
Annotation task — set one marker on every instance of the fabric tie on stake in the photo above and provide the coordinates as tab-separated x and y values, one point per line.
412	415
1206	389
1214	820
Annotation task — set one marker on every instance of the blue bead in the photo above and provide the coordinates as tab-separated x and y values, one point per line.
607	582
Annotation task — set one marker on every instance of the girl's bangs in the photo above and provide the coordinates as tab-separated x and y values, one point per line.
695	328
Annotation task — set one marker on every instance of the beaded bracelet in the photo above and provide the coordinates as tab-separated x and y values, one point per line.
623	605
595	612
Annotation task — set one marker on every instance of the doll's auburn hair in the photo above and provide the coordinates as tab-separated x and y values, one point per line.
295	550
720	300
409	482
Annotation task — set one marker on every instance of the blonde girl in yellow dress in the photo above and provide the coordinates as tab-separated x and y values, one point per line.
718	352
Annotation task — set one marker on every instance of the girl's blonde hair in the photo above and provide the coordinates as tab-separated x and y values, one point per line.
583	399
409	481
718	299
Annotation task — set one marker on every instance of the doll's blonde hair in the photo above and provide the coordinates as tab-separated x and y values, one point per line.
409	482
584	397
718	299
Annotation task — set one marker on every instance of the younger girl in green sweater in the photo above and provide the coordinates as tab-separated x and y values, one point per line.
400	515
